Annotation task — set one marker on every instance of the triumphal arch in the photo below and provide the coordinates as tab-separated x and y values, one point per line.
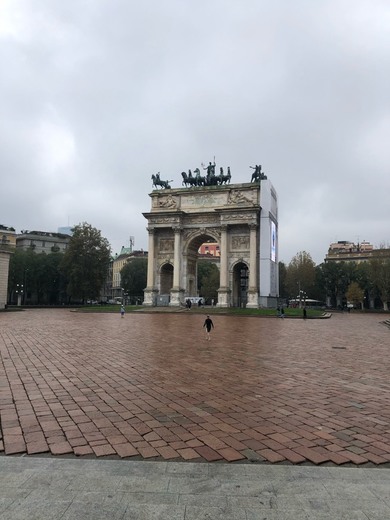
241	218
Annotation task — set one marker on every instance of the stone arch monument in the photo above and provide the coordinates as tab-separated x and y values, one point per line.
242	218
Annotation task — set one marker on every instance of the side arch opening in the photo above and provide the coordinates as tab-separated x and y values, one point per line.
240	284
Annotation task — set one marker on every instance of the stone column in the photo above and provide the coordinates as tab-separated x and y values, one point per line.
150	291
176	270
4	269
223	291
253	295
177	291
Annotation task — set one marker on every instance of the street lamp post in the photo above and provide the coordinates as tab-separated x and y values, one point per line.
124	296
19	291
302	296
25	286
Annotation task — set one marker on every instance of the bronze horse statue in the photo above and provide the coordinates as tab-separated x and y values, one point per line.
189	180
224	179
257	175
157	182
193	180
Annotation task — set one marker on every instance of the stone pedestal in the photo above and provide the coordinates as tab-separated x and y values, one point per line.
150	297
177	297
223	298
253	300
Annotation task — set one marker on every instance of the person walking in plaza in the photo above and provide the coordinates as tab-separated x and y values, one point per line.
208	325
122	311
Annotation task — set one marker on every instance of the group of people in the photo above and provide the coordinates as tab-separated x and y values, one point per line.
189	303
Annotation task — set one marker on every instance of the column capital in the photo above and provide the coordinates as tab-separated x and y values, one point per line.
177	229
252	226
150	230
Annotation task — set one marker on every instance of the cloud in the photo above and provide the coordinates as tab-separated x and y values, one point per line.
98	96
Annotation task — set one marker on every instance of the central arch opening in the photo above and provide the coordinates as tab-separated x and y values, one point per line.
202	273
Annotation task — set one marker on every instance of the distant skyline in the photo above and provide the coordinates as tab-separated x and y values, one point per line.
98	96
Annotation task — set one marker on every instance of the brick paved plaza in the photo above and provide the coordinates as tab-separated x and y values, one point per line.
149	386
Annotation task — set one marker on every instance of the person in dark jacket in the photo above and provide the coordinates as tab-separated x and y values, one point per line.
208	325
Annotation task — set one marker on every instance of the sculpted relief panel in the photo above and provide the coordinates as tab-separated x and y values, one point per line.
167	245
191	266
237	197
240	243
167	202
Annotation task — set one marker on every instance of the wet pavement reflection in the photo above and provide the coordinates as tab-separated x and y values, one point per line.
151	386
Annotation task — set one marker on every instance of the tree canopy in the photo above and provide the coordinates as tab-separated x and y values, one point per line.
86	262
134	277
379	269
300	275
355	294
208	280
40	276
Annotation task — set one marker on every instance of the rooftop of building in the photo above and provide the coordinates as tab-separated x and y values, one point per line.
5	228
44	234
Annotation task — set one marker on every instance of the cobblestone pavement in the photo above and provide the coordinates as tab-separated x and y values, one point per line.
150	386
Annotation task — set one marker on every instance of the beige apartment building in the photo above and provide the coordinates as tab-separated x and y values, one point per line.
345	251
125	256
42	241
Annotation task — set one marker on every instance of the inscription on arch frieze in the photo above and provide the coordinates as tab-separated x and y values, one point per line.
202	200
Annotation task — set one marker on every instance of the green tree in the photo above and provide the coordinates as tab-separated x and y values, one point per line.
363	278
319	290
379	269
134	278
86	262
18	265
283	292
336	278
40	275
51	281
300	275
355	294
208	280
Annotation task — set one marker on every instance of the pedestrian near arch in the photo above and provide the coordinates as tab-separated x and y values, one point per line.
208	325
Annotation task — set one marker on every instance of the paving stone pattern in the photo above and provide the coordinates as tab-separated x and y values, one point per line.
150	386
35	488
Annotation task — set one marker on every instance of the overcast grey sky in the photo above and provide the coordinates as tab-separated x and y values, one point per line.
97	95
